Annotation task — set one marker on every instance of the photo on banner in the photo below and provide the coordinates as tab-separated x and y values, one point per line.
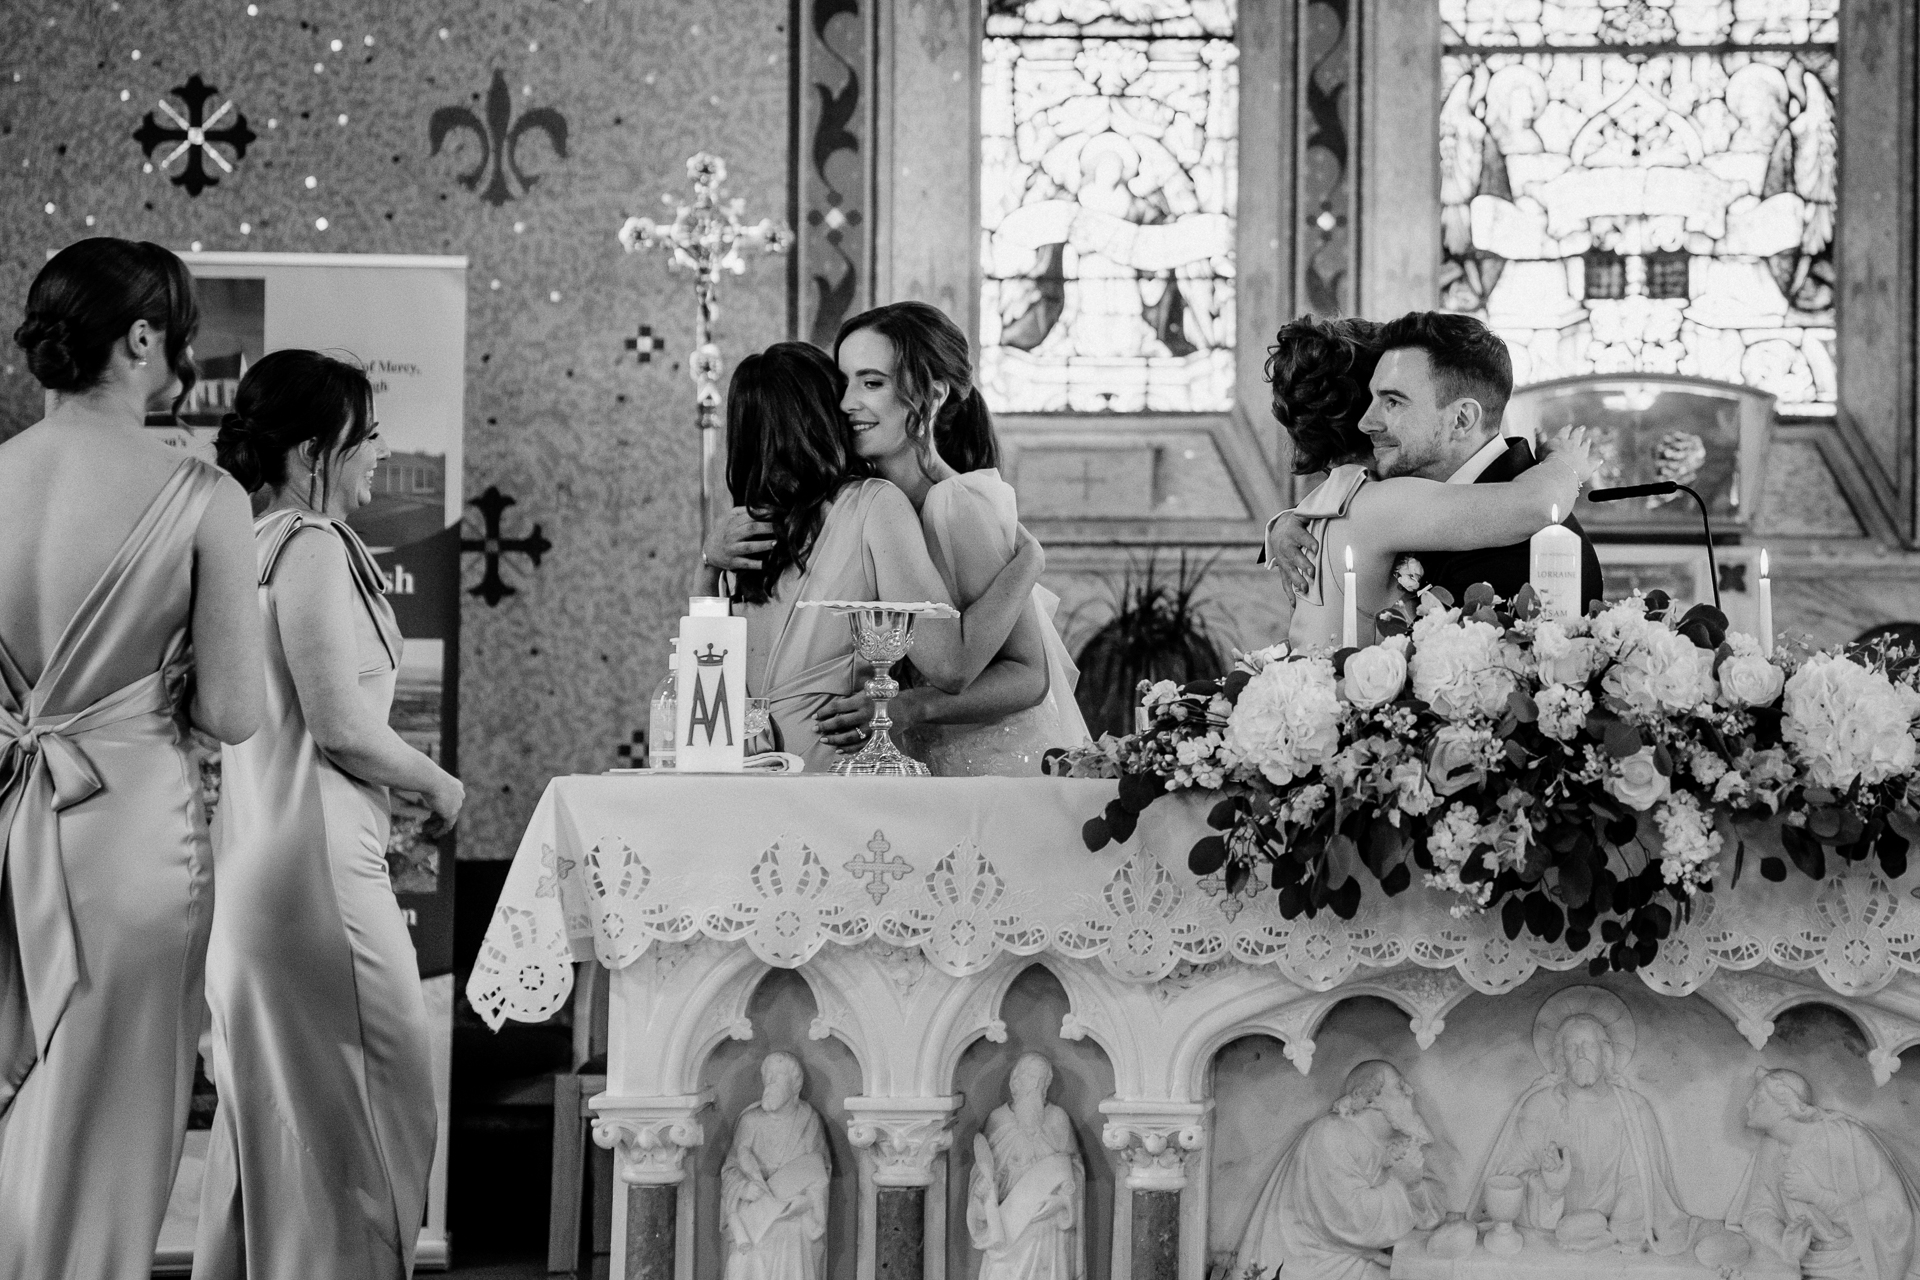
402	319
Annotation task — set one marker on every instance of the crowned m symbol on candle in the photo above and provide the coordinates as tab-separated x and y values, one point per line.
705	714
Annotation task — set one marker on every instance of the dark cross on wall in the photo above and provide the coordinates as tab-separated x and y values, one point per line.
493	589
644	343
196	135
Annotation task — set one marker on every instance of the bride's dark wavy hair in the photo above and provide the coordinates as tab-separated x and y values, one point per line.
787	454
1320	370
929	347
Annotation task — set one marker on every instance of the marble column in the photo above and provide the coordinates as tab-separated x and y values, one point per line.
1154	1141
650	1138
903	1138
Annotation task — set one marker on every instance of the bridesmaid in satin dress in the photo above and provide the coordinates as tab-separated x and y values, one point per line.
126	616
325	1131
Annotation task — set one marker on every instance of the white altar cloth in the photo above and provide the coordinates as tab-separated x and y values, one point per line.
964	869
1540	1259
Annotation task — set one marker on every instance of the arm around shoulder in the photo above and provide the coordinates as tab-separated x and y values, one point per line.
1411	514
228	648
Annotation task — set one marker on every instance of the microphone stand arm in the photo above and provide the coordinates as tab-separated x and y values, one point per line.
1706	530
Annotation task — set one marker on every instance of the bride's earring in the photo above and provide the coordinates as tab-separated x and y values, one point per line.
139	364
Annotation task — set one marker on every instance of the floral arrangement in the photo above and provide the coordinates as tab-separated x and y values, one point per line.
1581	777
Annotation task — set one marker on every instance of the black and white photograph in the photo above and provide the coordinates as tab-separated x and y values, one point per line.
960	640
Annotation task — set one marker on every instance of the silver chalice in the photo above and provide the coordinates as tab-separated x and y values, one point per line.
882	634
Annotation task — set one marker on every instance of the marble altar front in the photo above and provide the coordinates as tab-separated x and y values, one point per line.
908	942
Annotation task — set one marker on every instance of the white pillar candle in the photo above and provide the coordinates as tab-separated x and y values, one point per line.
1766	608
1350	619
1553	569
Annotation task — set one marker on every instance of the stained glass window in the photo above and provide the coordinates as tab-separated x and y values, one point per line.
1691	141
1107	170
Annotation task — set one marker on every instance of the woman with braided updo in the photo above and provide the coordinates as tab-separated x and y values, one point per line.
126	618
325	1133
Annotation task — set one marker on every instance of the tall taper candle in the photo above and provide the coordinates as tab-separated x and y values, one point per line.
1766	608
1350	619
1553	569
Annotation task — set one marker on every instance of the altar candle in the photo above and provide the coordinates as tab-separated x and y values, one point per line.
1553	569
1350	621
1766	608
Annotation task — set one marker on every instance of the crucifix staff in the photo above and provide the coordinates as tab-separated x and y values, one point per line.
706	237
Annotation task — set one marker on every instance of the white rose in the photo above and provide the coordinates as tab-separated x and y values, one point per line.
1461	668
1286	723
1749	680
1457	760
1636	783
1374	675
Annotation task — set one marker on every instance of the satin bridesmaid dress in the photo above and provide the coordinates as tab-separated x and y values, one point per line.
810	660
322	1143
108	893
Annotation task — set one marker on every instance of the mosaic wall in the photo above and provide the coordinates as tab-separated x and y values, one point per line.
518	133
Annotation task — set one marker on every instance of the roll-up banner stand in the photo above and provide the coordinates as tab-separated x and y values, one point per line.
404	319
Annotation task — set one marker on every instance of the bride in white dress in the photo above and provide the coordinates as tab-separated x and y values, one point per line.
918	420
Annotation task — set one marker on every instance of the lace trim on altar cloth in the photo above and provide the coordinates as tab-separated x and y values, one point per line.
1855	929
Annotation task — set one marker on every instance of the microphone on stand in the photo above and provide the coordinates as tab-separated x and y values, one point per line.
1659	489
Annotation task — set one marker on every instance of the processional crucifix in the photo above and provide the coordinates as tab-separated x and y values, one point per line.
706	237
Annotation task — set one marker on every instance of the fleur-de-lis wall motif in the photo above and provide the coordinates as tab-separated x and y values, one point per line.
499	136
195	135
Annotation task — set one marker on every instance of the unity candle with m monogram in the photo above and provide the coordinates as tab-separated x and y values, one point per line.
710	718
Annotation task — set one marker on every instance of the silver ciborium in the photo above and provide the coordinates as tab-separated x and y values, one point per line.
882	634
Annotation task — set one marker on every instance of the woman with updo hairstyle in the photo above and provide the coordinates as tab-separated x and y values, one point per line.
1319	371
126	623
917	418
814	523
321	1147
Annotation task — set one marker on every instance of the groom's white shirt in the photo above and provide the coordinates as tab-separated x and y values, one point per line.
1471	469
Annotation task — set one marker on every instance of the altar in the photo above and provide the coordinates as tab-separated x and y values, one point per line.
911	943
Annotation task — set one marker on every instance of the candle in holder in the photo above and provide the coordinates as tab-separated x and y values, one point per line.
1553	569
1350	616
1766	608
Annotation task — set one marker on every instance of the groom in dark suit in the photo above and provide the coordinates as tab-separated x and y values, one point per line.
1438	396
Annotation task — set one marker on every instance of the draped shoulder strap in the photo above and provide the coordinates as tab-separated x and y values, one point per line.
1332	496
274	531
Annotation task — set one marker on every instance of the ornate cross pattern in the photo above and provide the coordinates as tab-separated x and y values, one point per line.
879	867
195	135
499	137
644	343
493	589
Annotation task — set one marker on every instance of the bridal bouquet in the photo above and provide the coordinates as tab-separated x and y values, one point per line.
1583	777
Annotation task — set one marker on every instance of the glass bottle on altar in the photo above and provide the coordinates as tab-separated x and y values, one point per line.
661	711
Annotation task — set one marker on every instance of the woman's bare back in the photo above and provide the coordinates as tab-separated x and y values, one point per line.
70	496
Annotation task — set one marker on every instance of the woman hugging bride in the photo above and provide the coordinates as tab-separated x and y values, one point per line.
878	480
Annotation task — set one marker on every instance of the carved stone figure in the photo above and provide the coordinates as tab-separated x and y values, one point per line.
1585	1144
1025	1199
773	1187
1823	1191
1353	1183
